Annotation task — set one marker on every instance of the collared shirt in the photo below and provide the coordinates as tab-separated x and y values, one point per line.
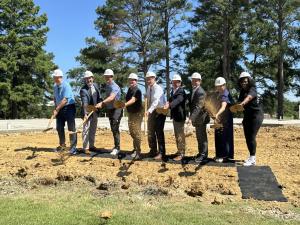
112	88
155	96
61	91
93	94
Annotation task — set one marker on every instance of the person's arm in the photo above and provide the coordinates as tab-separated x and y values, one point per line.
251	95
158	92
110	98
246	100
62	103
180	98
221	110
130	102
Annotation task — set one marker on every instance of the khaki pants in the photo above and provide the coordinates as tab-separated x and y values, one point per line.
89	132
134	125
179	136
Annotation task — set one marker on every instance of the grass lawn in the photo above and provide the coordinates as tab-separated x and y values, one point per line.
63	207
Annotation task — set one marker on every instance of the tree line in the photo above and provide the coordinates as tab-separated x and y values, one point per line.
215	38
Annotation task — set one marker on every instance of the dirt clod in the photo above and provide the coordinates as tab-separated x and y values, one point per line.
21	173
64	176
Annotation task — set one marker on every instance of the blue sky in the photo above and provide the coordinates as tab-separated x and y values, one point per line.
70	22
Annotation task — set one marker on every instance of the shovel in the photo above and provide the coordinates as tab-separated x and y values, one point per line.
49	124
83	122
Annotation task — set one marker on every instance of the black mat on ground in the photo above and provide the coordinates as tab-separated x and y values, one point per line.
259	182
126	155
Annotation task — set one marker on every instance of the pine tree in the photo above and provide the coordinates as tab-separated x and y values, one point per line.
24	65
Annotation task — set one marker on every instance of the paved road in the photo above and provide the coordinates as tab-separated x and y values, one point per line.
40	124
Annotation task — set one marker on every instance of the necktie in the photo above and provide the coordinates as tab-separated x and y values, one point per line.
150	97
91	96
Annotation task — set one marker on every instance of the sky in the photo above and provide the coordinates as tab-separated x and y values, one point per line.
70	22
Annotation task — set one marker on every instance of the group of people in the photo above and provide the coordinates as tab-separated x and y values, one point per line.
197	115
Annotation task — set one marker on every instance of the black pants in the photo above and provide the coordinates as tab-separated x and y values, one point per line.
66	114
224	139
156	124
202	140
115	116
251	125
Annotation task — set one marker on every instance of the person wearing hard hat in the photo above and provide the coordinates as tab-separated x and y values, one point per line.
199	117
177	105
65	111
135	114
113	92
224	135
156	121
90	96
253	114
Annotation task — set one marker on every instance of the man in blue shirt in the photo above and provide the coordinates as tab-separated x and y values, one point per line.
113	93
64	111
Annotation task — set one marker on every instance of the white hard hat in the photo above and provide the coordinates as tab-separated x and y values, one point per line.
108	72
88	74
57	73
150	74
244	74
196	76
133	76
176	77
220	81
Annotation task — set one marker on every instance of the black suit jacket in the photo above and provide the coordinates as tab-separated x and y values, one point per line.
86	97
177	105
198	114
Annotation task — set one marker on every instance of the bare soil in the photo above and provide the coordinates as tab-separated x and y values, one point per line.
28	161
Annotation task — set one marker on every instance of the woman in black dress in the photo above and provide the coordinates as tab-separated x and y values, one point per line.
253	114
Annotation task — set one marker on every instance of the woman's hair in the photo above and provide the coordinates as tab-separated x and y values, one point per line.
251	82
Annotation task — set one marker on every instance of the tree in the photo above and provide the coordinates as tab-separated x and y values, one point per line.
217	43
24	65
172	15
273	44
136	24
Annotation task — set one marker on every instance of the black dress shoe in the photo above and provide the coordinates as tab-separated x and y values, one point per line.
201	159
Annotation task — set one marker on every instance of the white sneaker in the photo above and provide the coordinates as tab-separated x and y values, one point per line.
251	161
115	151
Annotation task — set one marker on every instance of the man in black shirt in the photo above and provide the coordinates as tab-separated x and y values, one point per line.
135	113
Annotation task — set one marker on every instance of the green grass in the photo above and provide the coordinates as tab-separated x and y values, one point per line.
81	208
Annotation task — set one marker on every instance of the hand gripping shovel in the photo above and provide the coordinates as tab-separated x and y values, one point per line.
91	109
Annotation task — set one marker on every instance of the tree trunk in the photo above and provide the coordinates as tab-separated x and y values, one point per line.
14	106
167	42
225	65
280	78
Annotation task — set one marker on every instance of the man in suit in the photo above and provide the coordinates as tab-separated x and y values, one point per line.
177	105
199	117
90	95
